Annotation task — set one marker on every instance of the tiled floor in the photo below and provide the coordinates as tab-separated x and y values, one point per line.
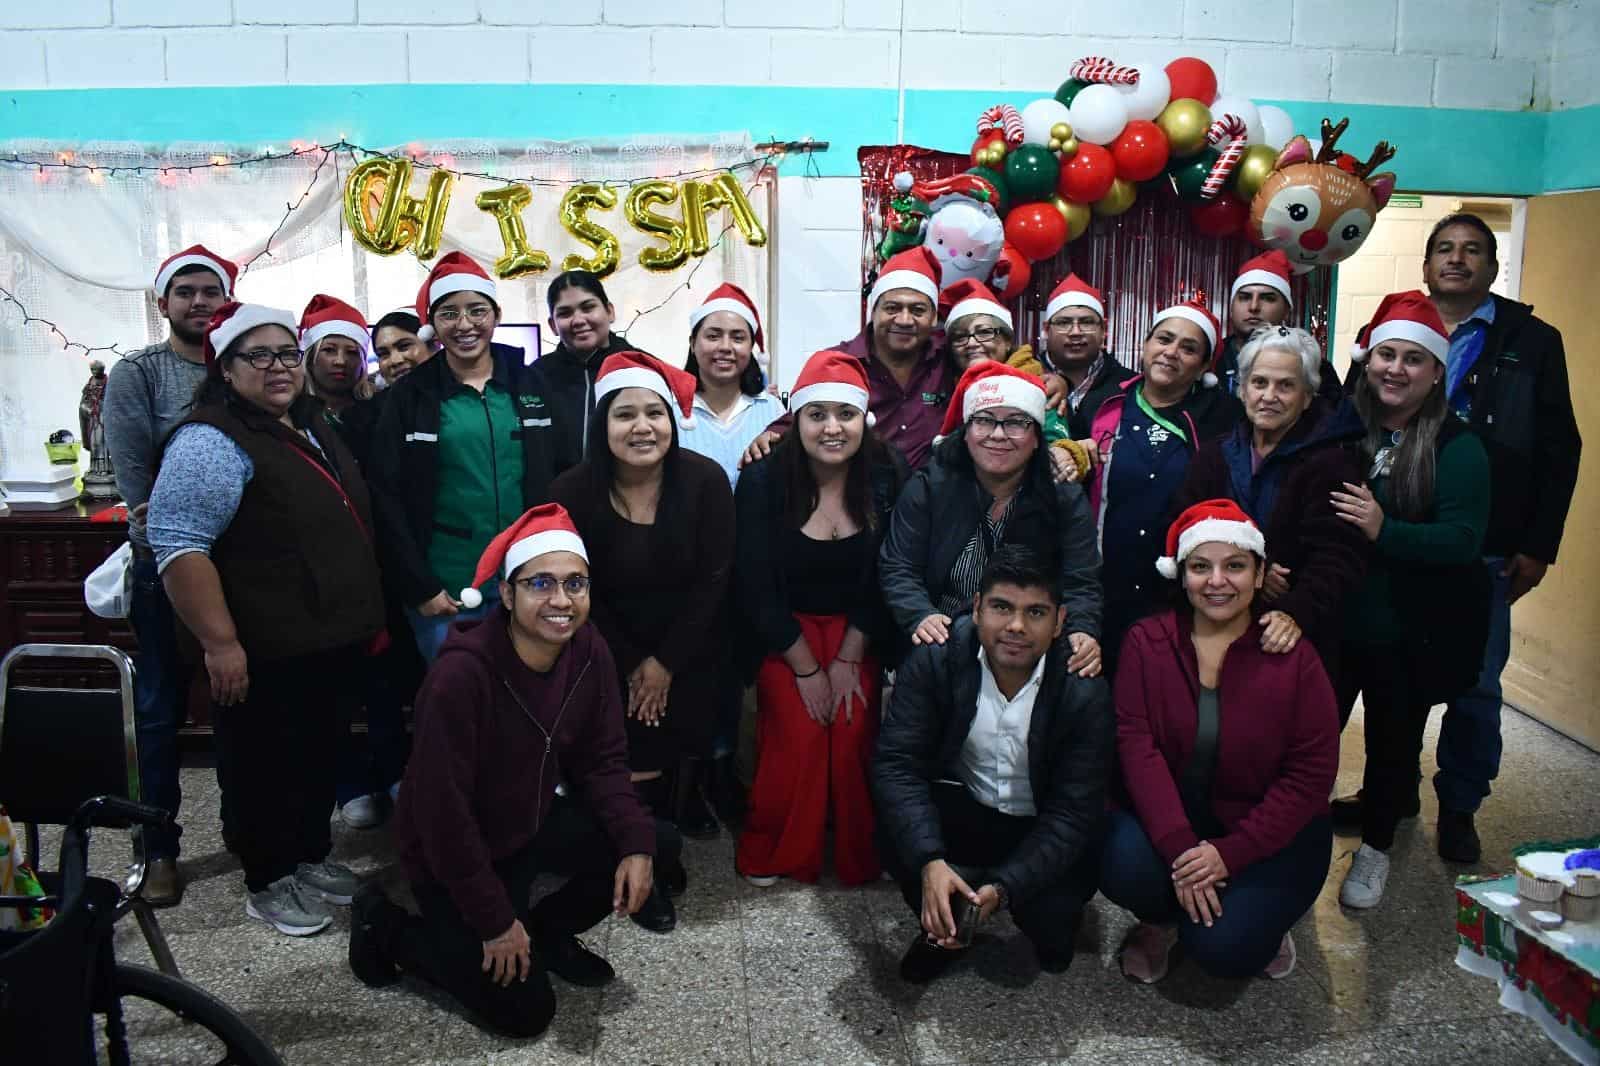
796	974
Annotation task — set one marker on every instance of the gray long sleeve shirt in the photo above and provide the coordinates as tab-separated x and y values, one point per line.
147	394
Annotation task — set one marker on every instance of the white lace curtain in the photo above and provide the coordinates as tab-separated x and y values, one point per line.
80	243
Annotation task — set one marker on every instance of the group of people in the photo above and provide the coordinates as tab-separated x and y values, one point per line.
1020	625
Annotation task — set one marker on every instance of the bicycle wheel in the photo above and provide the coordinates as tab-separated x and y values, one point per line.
171	1021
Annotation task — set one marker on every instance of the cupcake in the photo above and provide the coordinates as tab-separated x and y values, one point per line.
1539	877
1576	908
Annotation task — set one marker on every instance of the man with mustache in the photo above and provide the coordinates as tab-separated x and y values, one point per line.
1260	297
149	393
1075	351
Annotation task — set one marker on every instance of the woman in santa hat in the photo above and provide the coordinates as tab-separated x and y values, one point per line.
812	515
1416	627
731	402
658	521
1227	753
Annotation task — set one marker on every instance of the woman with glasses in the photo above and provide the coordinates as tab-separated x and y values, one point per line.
460	451
261	528
989	484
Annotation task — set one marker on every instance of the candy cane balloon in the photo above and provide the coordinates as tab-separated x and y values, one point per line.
1102	70
1232	129
1002	116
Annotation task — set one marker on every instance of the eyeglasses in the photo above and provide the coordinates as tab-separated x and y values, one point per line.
545	585
983	335
1014	428
1074	325
477	314
263	358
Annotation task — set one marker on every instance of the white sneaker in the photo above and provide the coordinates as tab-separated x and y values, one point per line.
363	812
762	880
284	906
1282	964
1363	885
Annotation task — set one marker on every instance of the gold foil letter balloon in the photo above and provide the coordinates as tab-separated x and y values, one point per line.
636	209
385	218
575	220
723	191
1318	210
506	205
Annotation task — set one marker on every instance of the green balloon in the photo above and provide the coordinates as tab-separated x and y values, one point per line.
1191	173
1031	172
1001	188
1069	89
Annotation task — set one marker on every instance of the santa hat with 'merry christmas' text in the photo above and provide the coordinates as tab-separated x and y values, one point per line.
1192	310
729	297
234	320
832	377
970	296
1270	269
915	269
456	272
1075	292
197	255
329	316
1404	316
636	370
541	530
1209	522
991	384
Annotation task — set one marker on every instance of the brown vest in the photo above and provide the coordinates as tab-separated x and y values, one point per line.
297	563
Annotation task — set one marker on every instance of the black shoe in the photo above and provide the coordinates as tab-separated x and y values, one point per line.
674	878
1051	962
925	960
1346	810
570	960
695	819
1458	837
368	961
658	914
725	791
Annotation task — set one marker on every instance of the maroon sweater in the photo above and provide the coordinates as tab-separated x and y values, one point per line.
1277	745
481	779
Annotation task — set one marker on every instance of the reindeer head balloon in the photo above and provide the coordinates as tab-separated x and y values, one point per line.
1317	210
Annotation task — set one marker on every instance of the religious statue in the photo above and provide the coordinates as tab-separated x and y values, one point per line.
99	483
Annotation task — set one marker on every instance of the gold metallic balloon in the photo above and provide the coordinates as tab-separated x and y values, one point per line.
506	206
1060	135
636	209
1121	197
720	192
1069	148
1078	216
385	218
1255	166
1185	122
574	215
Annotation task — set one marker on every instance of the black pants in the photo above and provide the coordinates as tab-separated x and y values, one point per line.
277	754
977	839
441	948
1395	717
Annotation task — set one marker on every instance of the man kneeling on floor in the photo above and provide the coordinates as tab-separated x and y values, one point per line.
990	773
516	704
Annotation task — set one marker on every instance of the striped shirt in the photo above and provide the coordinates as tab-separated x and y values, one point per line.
967	571
724	442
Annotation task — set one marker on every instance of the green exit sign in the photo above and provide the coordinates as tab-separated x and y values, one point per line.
1405	199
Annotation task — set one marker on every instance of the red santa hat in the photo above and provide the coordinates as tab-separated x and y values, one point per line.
993	384
1208	522
1404	316
197	255
1270	269
233	320
970	296
636	370
329	316
1075	292
541	530
1192	310
832	377
729	297
455	272
915	269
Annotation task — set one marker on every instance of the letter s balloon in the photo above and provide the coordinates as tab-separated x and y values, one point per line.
636	209
575	220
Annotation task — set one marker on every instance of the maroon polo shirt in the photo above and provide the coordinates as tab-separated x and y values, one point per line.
906	416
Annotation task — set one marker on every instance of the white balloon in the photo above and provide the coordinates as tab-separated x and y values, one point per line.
1247	112
1276	126
1039	116
1146	99
1098	114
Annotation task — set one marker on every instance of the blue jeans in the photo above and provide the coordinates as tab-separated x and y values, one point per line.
1469	737
375	763
160	688
1261	903
430	632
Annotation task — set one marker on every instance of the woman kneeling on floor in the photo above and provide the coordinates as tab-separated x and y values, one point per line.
1228	754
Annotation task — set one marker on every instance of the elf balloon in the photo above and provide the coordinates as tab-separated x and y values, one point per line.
1317	209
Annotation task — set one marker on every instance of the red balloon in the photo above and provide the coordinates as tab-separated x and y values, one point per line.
985	139
1222	217
1014	269
1037	230
1192	79
1088	175
1140	151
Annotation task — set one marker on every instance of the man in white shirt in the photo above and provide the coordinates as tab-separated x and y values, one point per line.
989	777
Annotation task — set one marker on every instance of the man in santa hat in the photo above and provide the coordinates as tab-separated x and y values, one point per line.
150	392
1260	296
1075	350
518	703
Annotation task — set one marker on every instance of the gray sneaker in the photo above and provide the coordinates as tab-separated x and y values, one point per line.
283	906
332	882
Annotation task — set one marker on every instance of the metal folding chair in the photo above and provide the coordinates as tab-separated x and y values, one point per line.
62	746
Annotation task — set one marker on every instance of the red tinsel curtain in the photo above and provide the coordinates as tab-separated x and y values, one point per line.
1144	260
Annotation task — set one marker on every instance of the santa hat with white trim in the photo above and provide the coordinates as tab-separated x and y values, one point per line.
915	268
832	377
1192	310
637	370
729	297
969	296
1270	269
1209	522
541	530
1404	316
455	272
991	384
233	320
1075	292
329	316
197	255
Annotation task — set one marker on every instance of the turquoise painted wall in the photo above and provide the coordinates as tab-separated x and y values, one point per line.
1440	150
